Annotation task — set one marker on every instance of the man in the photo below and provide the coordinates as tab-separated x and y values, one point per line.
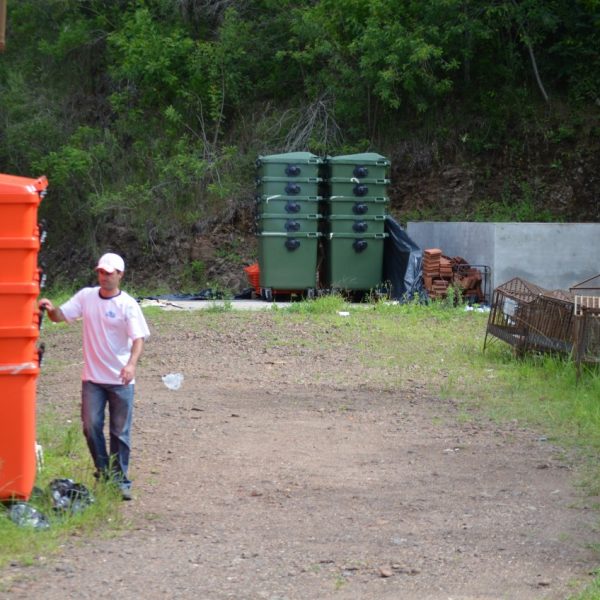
114	330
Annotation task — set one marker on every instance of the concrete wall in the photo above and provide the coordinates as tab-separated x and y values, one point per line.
551	255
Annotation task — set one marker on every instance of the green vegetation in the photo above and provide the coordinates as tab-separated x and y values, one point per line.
147	116
64	452
591	593
521	208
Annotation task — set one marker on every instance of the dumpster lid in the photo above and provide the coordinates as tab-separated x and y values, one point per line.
366	158
357	236
289	234
26	369
359	199
25	189
290	157
355	218
32	287
260	180
22	331
20	242
383	181
264	198
292	216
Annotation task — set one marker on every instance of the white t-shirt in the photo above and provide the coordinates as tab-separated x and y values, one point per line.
109	327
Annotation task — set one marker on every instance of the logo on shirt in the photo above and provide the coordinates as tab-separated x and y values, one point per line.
111	314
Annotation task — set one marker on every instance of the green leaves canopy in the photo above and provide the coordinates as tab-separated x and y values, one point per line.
175	99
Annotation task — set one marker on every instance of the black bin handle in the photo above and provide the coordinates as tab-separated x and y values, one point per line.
360	246
293	170
291	225
292	244
361	189
292	189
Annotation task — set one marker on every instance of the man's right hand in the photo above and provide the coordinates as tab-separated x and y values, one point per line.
45	304
53	312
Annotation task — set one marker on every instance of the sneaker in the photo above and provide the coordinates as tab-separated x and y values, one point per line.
126	494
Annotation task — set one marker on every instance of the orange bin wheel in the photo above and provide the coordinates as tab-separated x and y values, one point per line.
17	432
18	304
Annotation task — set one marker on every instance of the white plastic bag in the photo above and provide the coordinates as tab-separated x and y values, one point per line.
173	380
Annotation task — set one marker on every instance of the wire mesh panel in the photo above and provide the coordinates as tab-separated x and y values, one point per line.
588	288
586	302
529	317
587	321
587	336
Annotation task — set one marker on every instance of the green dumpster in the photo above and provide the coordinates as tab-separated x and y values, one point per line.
360	166
344	205
288	223
358	188
288	261
290	165
288	186
356	224
354	261
280	204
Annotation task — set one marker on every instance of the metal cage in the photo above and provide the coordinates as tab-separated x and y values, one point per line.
587	321
529	317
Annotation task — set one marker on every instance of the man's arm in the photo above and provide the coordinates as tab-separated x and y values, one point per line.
54	312
128	371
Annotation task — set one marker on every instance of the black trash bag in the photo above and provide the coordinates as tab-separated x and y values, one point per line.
206	294
402	264
24	515
68	496
245	294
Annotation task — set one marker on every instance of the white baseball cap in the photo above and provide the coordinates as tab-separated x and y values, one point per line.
111	262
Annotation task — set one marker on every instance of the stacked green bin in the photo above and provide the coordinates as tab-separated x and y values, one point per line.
287	261
356	210
354	261
288	221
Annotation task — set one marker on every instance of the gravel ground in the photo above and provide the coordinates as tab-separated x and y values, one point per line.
280	471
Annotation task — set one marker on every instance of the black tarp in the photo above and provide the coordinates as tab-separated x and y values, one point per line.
402	260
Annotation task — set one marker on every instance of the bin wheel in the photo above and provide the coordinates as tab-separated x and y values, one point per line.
267	294
384	292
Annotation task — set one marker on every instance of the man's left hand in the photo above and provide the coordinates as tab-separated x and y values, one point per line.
127	374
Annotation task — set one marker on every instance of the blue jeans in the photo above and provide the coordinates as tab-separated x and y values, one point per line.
94	398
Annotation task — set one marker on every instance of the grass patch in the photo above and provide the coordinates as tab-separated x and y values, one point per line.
592	592
330	304
64	453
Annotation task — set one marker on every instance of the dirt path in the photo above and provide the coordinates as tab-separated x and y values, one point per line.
281	472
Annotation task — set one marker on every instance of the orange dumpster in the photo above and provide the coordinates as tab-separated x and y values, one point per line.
18	346
18	304
18	259
17	442
19	331
19	201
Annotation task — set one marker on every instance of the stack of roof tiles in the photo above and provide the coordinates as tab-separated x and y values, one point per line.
440	272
